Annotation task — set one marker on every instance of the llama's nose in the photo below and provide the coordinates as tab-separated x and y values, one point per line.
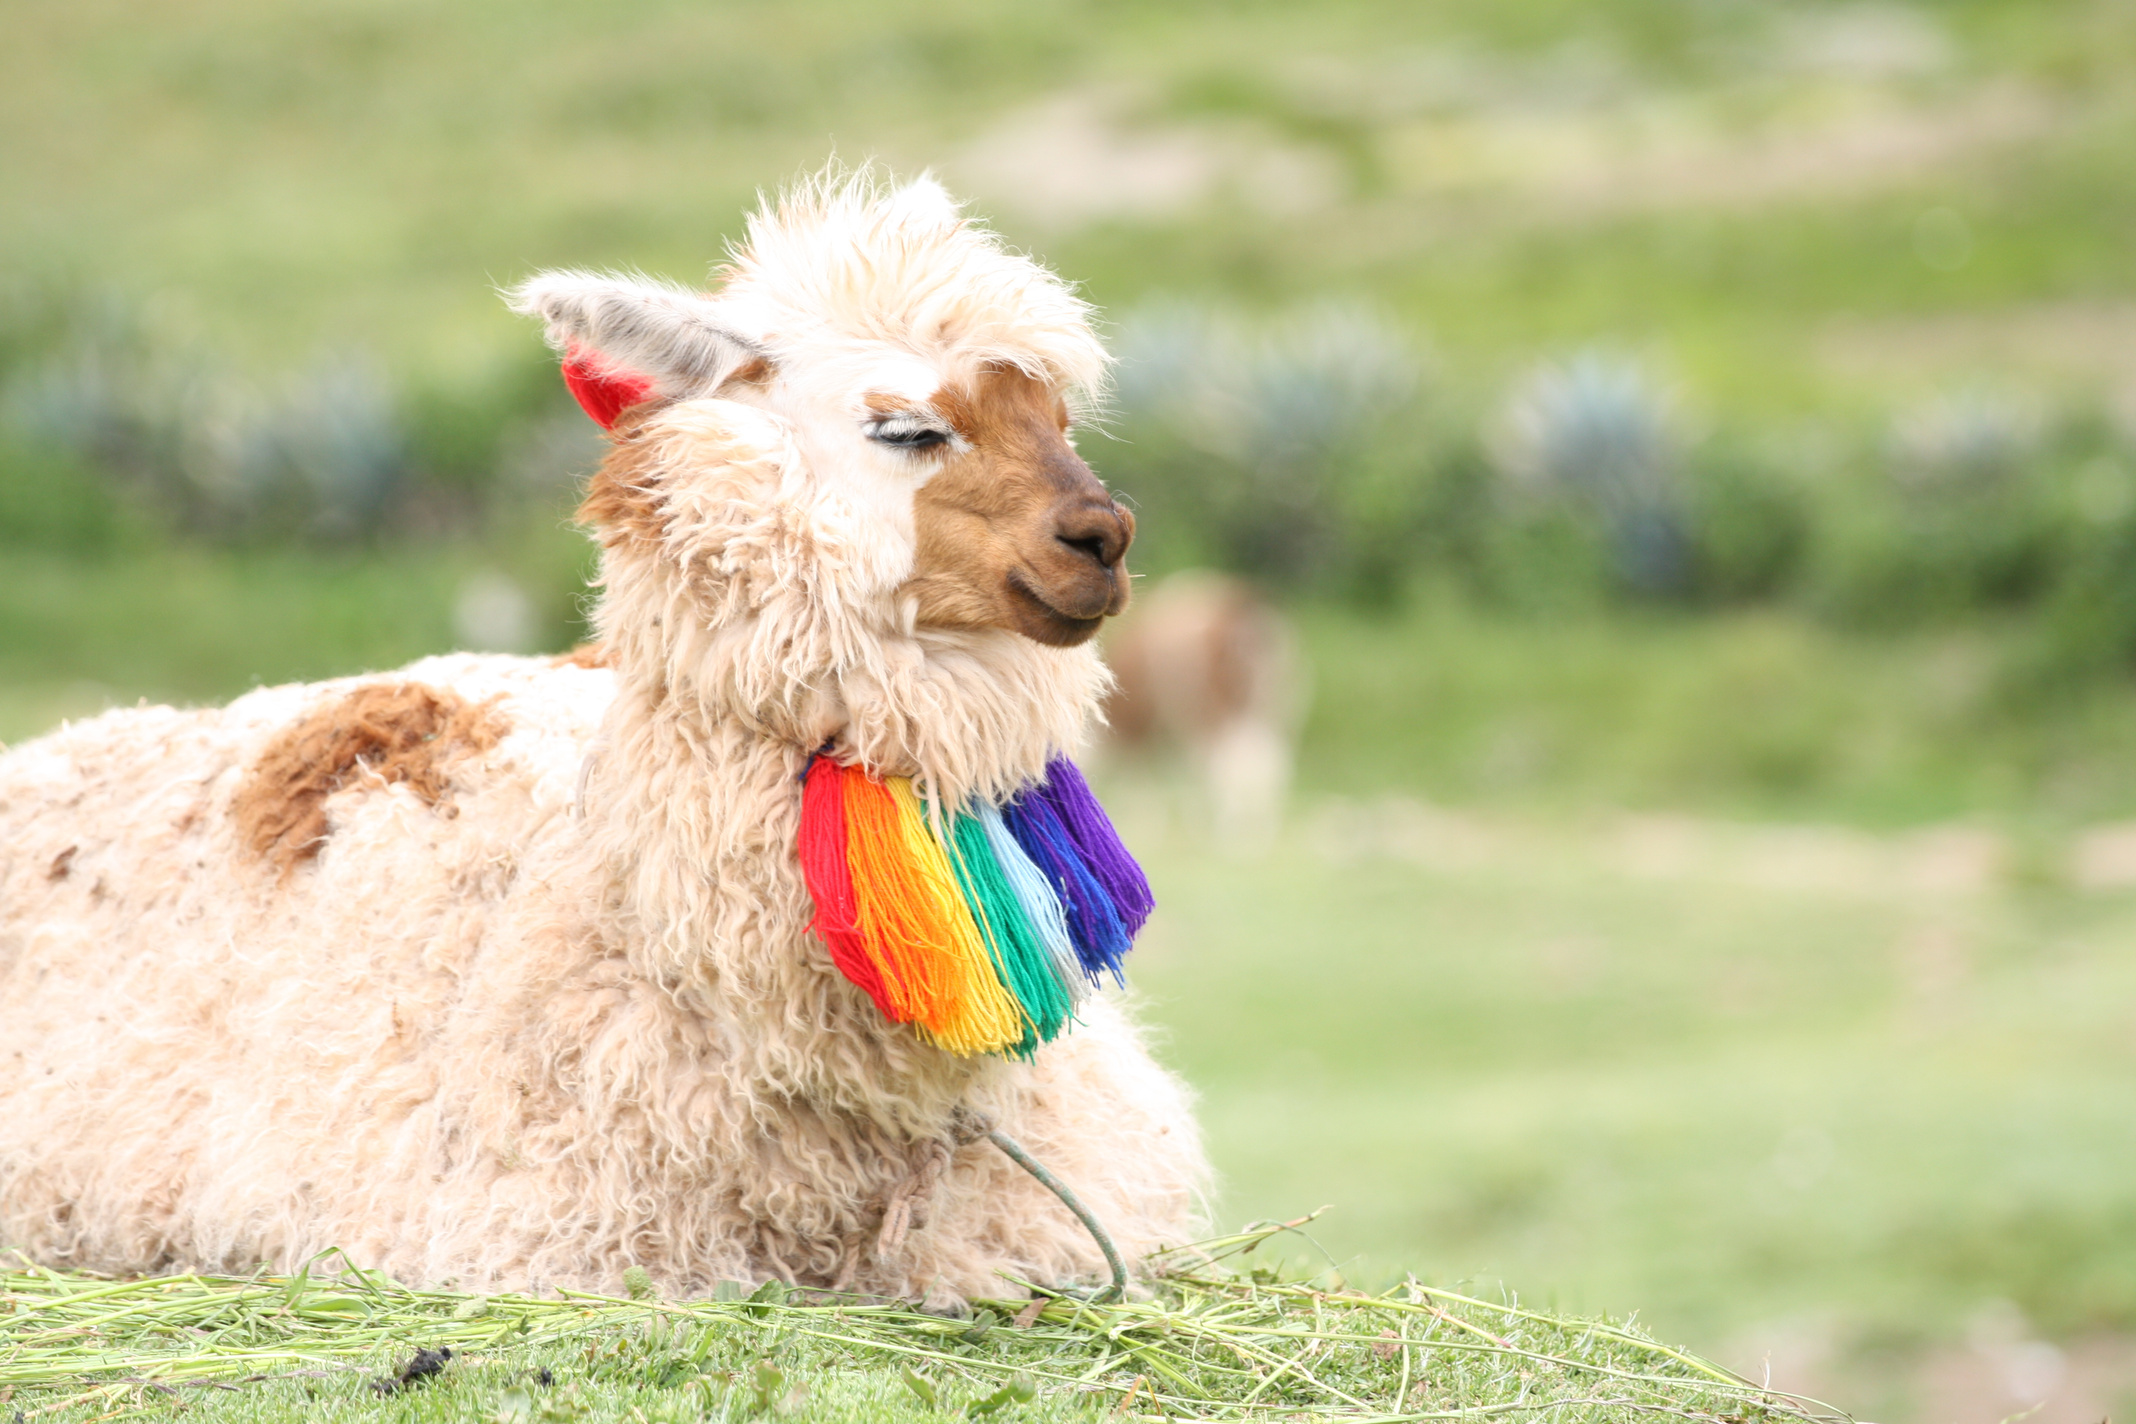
1099	532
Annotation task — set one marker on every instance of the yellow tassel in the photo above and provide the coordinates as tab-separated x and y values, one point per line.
934	965
980	1015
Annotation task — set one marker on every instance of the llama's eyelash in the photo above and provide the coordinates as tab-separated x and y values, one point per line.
907	432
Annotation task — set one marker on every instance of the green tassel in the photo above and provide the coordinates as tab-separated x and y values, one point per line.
1020	958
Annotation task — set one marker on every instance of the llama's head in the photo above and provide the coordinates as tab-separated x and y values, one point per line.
912	386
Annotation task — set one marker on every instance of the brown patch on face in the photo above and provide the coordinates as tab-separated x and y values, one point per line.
622	500
1013	529
586	655
401	732
756	371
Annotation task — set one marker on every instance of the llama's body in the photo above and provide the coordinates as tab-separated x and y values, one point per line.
500	970
430	1046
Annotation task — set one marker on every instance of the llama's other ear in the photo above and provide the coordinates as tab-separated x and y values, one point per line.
620	326
924	202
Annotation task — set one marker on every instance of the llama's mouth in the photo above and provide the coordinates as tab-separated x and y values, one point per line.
1051	625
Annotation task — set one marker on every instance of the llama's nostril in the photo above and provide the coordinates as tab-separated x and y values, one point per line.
1090	546
1098	532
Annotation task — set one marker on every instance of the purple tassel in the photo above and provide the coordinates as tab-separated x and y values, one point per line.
1069	795
1101	940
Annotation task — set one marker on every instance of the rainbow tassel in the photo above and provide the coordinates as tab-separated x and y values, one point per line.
984	938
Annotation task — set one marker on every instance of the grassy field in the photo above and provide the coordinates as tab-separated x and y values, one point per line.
184	625
1797	1090
1759	712
1734	187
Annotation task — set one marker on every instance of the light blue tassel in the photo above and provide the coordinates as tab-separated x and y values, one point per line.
1041	906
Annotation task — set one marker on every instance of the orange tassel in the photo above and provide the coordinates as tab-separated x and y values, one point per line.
934	966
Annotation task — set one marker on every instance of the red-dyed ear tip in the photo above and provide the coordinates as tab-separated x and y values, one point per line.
603	393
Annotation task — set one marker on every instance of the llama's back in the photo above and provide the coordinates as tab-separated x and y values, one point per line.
215	924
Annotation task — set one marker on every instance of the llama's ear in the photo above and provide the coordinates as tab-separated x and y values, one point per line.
626	339
924	202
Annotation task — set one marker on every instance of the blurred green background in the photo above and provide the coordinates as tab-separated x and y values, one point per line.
1696	439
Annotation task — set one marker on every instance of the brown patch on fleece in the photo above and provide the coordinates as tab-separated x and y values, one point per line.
399	732
622	500
586	655
61	864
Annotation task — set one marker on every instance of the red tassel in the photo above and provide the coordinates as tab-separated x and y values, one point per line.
830	880
603	392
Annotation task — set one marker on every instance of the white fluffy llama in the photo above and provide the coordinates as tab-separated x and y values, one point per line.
497	970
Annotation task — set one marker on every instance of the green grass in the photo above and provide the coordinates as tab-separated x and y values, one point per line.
1204	1343
1751	712
281	178
188	625
1739	1078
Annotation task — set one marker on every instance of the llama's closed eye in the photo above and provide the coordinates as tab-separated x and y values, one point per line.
907	432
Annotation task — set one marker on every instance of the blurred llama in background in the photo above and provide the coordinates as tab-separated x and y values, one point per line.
1210	670
1256	445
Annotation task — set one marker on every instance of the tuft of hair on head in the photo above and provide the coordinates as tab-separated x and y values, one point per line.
849	252
923	202
635	324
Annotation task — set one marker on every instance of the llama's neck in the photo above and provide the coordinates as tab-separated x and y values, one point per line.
693	820
693	805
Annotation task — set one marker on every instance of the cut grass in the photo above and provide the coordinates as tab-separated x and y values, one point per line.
1207	1342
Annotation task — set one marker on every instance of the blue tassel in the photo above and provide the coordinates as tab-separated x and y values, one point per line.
1092	831
1101	939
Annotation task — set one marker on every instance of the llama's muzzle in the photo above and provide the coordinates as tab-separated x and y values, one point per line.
1083	578
1015	531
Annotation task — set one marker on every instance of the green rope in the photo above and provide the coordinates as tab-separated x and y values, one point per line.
1055	1185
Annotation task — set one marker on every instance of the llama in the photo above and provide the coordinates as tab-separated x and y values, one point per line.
1206	666
498	971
